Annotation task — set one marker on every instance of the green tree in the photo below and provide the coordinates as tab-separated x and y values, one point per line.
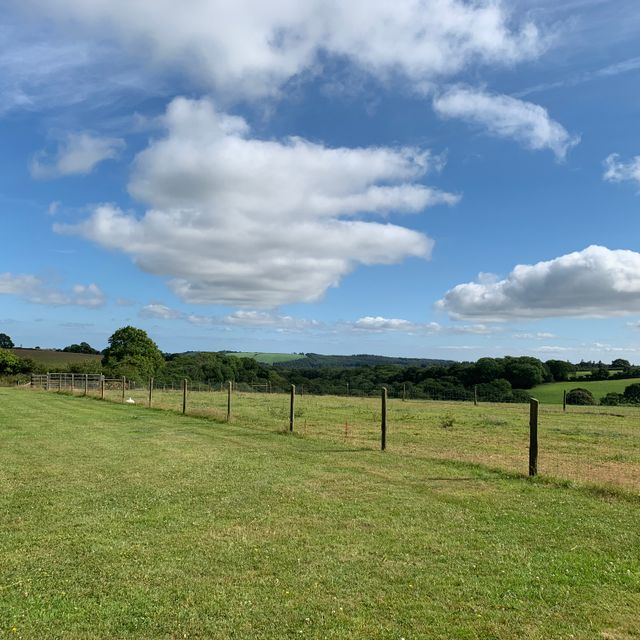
5	341
132	353
9	364
83	347
522	374
560	369
632	393
612	399
488	370
620	363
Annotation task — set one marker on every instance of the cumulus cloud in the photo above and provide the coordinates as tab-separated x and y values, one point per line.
35	290
261	319
252	47
241	319
259	223
619	171
506	117
379	324
595	282
160	311
78	154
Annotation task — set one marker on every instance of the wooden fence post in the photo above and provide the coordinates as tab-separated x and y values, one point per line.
383	422
184	396
533	436
229	387
46	388
475	395
150	391
564	400
124	385
86	384
404	391
292	407
102	389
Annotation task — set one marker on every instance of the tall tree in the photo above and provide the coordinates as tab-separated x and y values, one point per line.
132	353
5	341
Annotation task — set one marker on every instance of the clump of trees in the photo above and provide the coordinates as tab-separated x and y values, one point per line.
83	347
5	341
12	365
133	354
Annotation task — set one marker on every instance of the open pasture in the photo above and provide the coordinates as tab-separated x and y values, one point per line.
590	445
55	359
266	358
551	393
120	522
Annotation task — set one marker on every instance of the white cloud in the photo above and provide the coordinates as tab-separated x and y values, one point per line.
507	117
261	319
617	171
42	68
252	47
240	318
160	311
35	290
19	285
246	222
379	324
78	154
54	207
87	295
595	282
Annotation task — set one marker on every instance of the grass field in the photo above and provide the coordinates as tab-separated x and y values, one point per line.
552	393
54	359
120	522
267	358
590	445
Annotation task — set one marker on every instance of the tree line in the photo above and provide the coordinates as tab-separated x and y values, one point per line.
132	354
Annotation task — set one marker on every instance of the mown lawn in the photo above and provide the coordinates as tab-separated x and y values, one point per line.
552	393
120	522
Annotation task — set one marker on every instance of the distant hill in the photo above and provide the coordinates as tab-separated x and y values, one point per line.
265	358
54	359
317	361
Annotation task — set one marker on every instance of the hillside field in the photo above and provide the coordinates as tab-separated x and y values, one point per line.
54	359
266	358
124	522
552	393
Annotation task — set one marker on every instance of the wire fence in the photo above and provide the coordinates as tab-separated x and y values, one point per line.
589	445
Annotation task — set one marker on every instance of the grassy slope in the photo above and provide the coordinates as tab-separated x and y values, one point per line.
122	522
267	358
53	358
552	393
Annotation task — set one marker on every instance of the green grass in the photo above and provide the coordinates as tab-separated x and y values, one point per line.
120	522
267	358
55	359
552	393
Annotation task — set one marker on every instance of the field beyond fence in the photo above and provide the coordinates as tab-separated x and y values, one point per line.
587	445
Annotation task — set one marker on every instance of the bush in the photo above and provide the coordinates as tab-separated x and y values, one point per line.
520	395
612	399
632	393
580	396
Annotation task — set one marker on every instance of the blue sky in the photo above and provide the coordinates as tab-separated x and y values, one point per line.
422	178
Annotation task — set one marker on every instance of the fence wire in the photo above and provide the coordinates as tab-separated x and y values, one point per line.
588	445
